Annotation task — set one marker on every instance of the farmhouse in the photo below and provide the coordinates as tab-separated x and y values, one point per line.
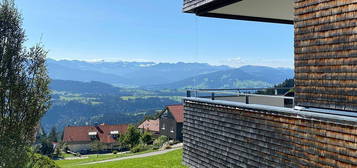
79	138
152	126
320	130
171	120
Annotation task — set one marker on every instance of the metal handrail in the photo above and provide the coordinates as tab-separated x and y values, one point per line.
241	89
247	94
214	93
189	91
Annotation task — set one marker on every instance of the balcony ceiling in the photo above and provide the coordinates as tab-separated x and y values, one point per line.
277	11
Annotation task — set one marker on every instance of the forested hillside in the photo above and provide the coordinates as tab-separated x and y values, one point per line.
83	103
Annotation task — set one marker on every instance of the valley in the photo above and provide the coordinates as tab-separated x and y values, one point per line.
85	93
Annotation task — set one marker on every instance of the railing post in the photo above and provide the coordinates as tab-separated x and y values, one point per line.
212	96
246	99
188	94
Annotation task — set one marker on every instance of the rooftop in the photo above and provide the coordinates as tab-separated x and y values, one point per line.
176	111
84	133
150	125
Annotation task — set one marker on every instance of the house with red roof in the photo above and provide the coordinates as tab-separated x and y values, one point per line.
152	126
79	138
171	122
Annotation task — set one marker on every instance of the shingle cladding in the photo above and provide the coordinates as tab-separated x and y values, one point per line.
219	135
190	5
326	54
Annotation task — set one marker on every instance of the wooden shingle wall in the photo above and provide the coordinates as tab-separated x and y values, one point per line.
326	54
218	135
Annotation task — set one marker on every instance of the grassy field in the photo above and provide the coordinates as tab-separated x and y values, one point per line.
168	160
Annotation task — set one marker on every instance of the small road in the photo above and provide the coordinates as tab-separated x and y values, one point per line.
132	157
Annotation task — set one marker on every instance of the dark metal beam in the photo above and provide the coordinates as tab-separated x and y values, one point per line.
247	18
213	6
205	11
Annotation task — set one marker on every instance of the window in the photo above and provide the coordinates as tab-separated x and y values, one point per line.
165	114
115	134
93	135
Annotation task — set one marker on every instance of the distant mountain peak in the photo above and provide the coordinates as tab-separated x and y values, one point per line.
126	73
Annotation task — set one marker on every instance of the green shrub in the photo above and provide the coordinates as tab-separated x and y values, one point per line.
146	138
57	153
41	161
160	141
46	147
139	148
131	138
135	149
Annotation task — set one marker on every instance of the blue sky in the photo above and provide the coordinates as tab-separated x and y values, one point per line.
151	30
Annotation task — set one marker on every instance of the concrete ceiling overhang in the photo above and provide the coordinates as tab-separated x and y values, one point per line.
275	11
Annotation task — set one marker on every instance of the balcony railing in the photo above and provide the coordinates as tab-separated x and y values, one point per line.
264	96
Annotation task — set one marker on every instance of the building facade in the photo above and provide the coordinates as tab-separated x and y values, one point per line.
321	131
171	122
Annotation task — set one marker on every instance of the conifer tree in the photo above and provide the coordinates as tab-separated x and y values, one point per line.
53	136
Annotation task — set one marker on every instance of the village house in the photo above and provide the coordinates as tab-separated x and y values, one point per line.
171	120
79	138
152	126
319	129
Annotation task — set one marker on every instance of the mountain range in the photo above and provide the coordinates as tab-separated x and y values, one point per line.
243	77
132	74
150	75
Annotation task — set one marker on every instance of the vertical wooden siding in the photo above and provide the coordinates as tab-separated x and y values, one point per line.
326	54
222	136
